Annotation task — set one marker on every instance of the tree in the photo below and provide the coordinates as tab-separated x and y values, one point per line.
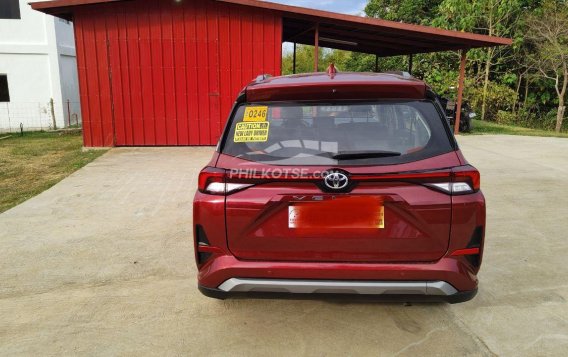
410	11
505	83
548	35
491	17
305	59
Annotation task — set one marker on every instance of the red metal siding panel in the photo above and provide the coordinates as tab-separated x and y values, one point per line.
203	73
116	78
83	89
169	79
136	71
125	95
156	91
106	113
225	94
246	47
142	43
93	86
191	77
180	74
236	53
163	73
213	71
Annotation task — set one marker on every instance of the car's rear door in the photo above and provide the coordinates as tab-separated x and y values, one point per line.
386	214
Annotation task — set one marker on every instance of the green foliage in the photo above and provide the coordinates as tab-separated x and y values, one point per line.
443	82
305	59
487	127
517	93
529	119
360	62
410	11
506	118
499	97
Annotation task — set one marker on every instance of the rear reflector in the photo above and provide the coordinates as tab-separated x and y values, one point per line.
466	251
201	254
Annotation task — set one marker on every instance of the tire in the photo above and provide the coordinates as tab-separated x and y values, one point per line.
466	125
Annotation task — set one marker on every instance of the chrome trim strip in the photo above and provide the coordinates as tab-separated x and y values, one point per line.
338	286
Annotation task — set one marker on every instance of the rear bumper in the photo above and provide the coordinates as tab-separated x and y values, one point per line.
450	278
380	291
296	286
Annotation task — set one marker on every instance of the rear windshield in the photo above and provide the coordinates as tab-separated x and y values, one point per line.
377	133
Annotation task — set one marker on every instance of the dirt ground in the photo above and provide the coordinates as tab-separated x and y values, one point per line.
102	264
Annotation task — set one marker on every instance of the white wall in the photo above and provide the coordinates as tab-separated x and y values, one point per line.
29	30
30	89
37	53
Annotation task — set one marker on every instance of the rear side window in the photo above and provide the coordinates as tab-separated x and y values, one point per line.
376	133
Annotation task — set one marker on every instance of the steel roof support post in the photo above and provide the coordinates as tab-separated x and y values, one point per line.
376	63
460	91
316	48
294	60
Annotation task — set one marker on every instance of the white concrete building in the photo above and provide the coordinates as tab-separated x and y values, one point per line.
37	64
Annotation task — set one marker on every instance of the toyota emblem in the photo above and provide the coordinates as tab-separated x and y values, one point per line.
336	180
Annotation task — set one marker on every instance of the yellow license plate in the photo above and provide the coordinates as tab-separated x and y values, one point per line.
256	113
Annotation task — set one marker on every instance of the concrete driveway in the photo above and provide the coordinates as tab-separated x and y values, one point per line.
102	264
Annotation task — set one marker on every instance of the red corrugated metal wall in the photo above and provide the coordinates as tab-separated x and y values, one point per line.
164	73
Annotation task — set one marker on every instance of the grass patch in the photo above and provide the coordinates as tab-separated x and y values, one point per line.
486	127
33	163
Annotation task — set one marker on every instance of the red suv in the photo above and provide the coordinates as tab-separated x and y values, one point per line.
339	184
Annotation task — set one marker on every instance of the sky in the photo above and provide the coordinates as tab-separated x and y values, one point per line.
353	7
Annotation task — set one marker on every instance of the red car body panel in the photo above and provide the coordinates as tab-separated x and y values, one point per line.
257	224
450	269
428	235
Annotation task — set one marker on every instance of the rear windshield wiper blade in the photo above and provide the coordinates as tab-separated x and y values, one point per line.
354	155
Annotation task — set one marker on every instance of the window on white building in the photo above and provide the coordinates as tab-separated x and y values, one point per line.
4	92
9	9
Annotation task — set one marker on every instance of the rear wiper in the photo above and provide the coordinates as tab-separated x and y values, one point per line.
354	155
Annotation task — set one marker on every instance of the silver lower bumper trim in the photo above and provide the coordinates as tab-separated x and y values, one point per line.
338	287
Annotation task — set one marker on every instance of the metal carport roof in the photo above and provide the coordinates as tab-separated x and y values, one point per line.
340	31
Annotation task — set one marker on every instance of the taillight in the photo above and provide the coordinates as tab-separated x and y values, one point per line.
468	175
213	181
464	180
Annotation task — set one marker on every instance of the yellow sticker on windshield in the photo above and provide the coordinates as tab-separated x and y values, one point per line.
251	132
255	114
